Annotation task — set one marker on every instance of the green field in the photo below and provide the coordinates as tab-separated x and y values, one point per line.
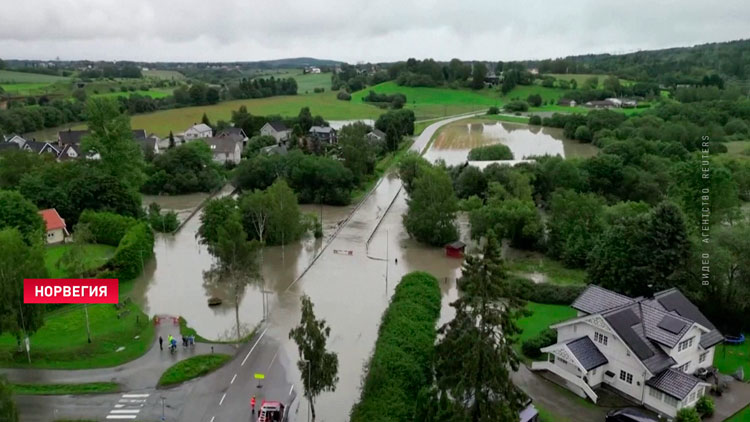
96	256
742	416
193	367
727	358
28	88
65	389
163	74
153	93
580	78
62	344
9	76
541	318
553	271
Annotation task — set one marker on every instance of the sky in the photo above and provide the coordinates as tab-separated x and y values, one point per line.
358	30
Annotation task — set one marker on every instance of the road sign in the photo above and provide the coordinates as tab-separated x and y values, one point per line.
259	376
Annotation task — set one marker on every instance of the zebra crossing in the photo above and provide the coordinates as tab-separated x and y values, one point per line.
128	406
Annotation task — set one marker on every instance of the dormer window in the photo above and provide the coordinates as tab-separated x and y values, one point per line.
600	338
685	344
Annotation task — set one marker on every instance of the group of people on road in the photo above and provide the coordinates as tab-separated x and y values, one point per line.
172	342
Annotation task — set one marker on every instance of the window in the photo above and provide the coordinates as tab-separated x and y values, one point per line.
692	397
600	338
624	376
561	360
670	400
654	393
685	344
685	367
702	358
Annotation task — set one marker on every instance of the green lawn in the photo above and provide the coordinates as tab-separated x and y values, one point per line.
308	82
23	77
546	415
96	255
742	416
542	316
554	271
739	148
61	343
26	87
163	74
64	389
521	92
193	367
728	358
153	93
580	78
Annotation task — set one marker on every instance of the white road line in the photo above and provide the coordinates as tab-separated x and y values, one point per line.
272	361
253	348
121	416
117	406
134	396
212	418
131	401
233	378
125	411
222	399
291	389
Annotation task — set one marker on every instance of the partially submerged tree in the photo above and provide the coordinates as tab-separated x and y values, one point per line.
432	208
319	367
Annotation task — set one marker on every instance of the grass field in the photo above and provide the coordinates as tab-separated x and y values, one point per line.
580	78
553	271
193	367
27	88
728	358
163	74
742	416
9	76
739	148
61	343
96	256
541	318
64	389
153	93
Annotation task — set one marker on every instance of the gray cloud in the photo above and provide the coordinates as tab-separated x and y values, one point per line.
357	30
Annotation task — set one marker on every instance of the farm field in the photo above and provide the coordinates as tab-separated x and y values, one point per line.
28	88
9	76
163	74
153	93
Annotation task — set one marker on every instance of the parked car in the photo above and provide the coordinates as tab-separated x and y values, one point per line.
629	414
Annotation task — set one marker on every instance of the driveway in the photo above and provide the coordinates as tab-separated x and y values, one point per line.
734	399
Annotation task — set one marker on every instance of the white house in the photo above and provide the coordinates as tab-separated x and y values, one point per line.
645	348
276	129
16	140
235	134
198	131
225	150
56	230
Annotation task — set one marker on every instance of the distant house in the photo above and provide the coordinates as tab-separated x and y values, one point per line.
601	104
646	348
278	149
455	249
235	134
276	129
139	134
149	145
18	140
312	69
225	150
198	131
73	151
376	136
566	102
534	71
55	226
42	148
324	134
68	137
491	79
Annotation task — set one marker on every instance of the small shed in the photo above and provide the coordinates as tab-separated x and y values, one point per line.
455	249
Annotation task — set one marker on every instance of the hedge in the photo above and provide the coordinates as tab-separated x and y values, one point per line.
401	364
531	347
107	228
548	293
135	248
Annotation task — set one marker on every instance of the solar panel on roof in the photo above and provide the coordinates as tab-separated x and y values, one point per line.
671	324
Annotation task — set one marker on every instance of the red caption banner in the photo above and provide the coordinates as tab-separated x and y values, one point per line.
70	290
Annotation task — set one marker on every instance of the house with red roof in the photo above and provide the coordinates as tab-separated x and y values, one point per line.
56	228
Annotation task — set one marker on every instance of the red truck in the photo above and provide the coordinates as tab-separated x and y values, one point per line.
272	411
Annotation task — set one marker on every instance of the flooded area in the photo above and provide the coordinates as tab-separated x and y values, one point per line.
454	141
338	124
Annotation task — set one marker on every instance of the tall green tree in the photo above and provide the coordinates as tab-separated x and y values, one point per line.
478	72
17	211
575	222
74	261
216	212
432	208
318	367
111	137
272	216
357	152
475	355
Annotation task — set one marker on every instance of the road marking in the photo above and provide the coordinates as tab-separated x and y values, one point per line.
117	406
291	389
125	411
121	416
233	378
253	348
134	396
131	401
212	418
272	360
222	399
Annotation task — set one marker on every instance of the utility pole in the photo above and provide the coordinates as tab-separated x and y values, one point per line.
88	330
387	261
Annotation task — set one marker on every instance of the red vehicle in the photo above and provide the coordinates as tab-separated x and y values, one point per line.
272	411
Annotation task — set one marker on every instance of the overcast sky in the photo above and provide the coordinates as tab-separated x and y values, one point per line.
358	30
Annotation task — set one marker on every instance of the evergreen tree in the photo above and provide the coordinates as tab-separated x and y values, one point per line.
171	140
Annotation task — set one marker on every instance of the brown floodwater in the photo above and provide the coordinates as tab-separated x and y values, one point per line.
455	140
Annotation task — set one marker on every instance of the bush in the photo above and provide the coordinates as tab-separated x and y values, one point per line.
688	414
319	90
705	406
163	223
491	153
107	228
517	106
135	248
583	133
401	363
548	293
531	347
344	96
493	110
535	120
534	100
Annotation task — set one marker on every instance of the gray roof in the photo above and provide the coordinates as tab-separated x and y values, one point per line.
587	353
39	147
673	301
654	320
674	382
221	145
377	132
139	133
278	126
596	299
322	129
201	127
69	136
627	321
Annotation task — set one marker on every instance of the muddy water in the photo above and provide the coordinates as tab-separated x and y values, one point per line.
173	283
454	141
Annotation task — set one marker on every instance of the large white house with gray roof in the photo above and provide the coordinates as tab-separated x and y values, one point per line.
645	348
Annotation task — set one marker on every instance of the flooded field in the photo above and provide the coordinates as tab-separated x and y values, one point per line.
454	141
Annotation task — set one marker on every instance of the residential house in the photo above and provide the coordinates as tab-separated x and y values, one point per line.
235	134
18	140
198	131
646	349
566	102
149	145
276	129
73	151
225	150
56	230
324	134
491	79
68	137
601	104
279	149
376	136
42	148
